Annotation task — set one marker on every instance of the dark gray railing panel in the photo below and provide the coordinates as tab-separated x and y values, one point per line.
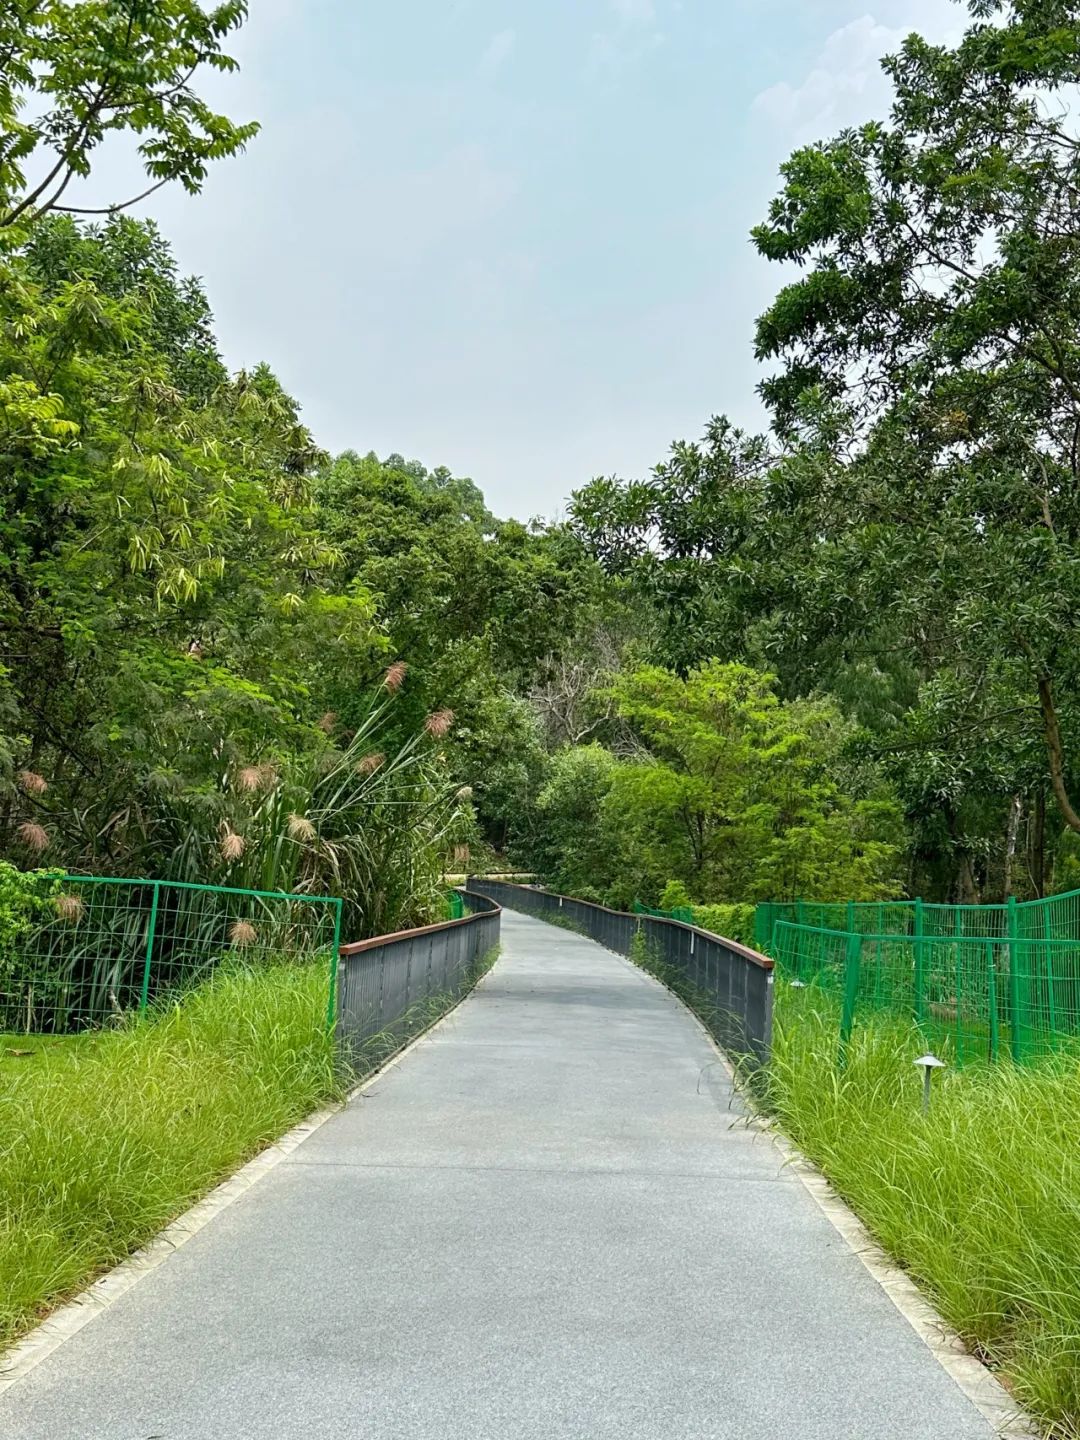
382	981
734	984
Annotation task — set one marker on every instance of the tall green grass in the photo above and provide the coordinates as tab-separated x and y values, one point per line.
979	1200
103	1143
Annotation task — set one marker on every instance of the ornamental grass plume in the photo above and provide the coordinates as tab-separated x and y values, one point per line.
254	778
70	908
31	783
370	763
232	845
327	722
300	828
242	933
395	676
34	836
438	724
249	777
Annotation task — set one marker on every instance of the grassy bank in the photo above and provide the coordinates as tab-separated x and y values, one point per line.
979	1200
17	1051
104	1141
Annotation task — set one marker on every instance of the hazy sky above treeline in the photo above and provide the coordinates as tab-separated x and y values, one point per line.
509	237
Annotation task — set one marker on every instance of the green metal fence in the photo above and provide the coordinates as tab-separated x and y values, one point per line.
95	949
982	982
1055	918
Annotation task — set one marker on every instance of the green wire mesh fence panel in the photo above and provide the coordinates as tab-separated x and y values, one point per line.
766	917
97	949
975	997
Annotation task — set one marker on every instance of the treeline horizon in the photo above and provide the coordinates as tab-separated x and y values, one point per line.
834	661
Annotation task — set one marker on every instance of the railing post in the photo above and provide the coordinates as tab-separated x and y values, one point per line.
920	975
852	966
151	930
1014	980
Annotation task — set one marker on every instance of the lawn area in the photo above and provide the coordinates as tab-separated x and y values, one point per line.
106	1138
979	1200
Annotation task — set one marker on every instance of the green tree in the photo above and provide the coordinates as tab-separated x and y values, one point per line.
932	338
907	539
570	843
74	72
735	797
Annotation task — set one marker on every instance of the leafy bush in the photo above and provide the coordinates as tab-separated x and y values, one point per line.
675	896
733	922
25	899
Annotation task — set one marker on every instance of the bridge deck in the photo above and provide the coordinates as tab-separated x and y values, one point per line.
543	1222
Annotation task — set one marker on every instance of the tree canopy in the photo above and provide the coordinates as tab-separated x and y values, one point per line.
838	659
905	539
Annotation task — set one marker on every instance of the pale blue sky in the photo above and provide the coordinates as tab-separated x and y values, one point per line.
511	236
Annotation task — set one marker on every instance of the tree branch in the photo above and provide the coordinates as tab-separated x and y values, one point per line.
107	209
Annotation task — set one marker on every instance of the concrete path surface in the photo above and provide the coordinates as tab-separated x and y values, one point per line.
546	1221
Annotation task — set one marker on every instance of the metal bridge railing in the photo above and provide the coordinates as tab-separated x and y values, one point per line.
391	986
729	984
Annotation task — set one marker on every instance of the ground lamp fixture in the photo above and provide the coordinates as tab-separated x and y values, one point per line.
929	1064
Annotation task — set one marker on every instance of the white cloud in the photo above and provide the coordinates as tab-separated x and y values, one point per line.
634	12
499	50
846	85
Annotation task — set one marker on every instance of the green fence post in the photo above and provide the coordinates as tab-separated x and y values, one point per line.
331	1004
1051	999
798	912
150	932
1015	1047
851	993
958	963
920	976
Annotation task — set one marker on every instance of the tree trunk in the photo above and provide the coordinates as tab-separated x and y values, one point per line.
1038	846
1012	825
969	890
1055	752
965	876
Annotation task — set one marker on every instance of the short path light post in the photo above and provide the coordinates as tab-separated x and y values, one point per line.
929	1064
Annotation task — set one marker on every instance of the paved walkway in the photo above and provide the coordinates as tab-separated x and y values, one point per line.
541	1223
